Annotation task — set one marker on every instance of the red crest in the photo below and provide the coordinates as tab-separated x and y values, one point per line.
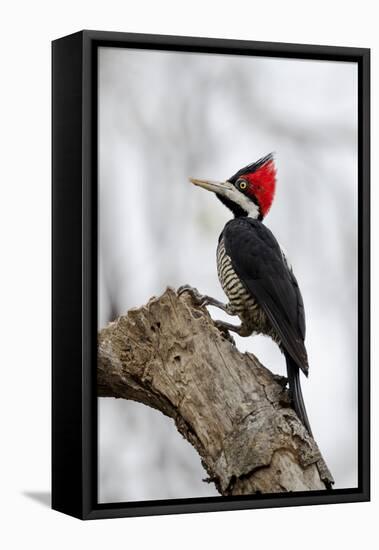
262	185
261	179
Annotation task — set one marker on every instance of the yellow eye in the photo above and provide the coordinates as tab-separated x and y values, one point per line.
242	184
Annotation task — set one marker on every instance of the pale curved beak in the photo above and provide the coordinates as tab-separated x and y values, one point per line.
220	187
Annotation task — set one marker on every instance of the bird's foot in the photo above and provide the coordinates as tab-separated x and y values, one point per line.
224	331
197	298
204	300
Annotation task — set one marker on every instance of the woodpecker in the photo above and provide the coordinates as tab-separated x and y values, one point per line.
255	273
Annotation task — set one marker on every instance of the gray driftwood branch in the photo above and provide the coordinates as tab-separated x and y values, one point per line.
169	355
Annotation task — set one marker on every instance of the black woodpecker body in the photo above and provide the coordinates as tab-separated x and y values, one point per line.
255	274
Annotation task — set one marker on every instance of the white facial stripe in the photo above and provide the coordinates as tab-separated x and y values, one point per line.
243	201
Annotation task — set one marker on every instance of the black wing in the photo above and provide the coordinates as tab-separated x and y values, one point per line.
260	264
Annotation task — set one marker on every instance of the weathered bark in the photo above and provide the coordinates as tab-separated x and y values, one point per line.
169	355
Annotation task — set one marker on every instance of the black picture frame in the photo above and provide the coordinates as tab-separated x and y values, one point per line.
74	272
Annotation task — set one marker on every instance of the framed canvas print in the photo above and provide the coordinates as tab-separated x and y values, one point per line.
210	274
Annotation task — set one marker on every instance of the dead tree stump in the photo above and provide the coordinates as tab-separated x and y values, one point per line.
169	355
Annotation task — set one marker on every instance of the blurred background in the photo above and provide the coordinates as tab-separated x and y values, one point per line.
166	116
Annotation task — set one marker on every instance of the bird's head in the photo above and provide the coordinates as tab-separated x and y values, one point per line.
249	192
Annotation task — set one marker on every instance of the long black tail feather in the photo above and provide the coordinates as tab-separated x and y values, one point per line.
296	393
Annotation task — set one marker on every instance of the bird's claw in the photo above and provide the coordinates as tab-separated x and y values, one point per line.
225	332
196	297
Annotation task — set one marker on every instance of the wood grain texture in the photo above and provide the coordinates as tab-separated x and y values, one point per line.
169	355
